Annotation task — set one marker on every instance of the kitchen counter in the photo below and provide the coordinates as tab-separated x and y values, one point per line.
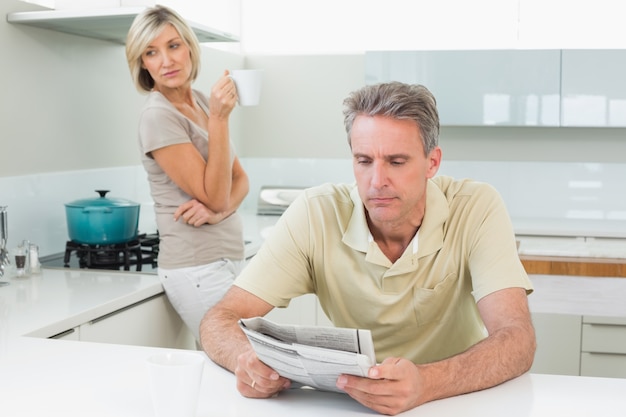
70	378
600	228
576	247
55	300
255	229
574	256
66	378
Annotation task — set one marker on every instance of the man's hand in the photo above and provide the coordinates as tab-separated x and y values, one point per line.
391	387
257	380
397	384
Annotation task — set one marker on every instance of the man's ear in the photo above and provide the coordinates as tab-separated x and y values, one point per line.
434	161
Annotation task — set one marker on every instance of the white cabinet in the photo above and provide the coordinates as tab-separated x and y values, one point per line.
558	344
593	88
603	347
151	322
580	345
479	88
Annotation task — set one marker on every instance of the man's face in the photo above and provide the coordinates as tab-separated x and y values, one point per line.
391	169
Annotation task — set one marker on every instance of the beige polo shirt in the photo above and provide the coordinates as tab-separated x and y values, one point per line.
423	306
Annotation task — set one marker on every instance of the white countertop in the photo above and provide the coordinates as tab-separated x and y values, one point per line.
56	300
43	377
572	247
601	228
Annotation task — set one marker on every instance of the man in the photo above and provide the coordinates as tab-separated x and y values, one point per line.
428	264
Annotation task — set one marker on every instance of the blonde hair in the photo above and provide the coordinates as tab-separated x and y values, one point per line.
145	28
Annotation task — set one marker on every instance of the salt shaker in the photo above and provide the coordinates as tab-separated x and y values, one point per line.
33	258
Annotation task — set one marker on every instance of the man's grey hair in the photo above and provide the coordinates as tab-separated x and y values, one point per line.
398	101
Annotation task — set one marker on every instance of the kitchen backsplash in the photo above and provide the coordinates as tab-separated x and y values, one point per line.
543	198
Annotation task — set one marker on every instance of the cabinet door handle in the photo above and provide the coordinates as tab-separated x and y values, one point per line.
62	334
113	313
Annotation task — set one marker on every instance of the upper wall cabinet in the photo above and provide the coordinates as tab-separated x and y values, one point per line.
106	24
593	88
479	88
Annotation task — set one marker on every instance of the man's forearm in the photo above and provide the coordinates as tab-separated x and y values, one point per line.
504	355
222	342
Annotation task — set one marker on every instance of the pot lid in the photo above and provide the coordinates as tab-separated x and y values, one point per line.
102	201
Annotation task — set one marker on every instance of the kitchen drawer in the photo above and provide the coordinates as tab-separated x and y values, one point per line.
603	365
604	338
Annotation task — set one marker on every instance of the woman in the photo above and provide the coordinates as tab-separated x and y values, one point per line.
196	181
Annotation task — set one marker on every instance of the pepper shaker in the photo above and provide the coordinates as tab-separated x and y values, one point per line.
20	260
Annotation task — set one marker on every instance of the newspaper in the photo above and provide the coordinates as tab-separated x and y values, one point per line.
314	356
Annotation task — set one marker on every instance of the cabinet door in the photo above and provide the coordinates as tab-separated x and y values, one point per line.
593	88
603	347
151	322
479	88
558	344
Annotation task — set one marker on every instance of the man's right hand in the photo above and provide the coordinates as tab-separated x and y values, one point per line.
257	380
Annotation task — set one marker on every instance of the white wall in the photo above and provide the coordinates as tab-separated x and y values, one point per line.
300	114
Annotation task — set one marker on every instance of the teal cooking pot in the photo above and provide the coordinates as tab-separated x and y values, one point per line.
102	220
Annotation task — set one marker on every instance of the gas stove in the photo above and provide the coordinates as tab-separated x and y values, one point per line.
137	255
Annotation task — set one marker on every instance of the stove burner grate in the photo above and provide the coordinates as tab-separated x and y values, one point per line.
137	252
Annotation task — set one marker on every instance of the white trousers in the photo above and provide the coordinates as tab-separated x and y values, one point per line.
194	290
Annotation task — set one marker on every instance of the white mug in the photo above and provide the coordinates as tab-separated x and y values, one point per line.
248	83
175	379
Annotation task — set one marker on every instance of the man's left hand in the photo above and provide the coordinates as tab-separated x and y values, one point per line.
390	388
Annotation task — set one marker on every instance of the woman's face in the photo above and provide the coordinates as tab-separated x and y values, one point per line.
168	60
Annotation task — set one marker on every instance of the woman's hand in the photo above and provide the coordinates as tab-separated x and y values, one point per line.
196	214
223	97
